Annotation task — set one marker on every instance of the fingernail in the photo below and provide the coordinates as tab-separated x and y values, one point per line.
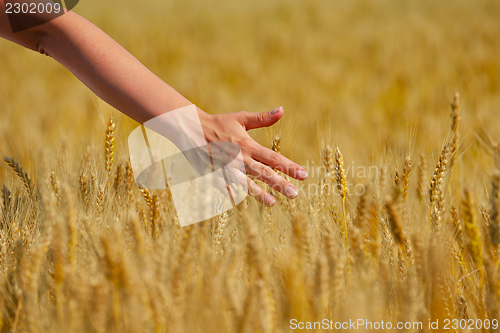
275	110
291	192
269	200
301	174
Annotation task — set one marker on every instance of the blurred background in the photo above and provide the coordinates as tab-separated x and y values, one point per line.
368	76
375	78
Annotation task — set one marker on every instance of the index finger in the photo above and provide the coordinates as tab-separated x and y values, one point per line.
279	162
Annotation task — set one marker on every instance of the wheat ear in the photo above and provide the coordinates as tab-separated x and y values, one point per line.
109	148
54	183
436	195
342	187
422	175
455	123
22	175
406	177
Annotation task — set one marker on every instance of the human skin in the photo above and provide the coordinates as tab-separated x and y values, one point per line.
118	78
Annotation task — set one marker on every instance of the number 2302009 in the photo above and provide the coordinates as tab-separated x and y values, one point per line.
470	324
32	8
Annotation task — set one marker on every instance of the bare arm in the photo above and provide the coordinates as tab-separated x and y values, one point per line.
121	80
101	64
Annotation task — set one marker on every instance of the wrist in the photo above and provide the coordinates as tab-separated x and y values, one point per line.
204	116
181	126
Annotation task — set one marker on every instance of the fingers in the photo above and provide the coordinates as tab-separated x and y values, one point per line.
257	120
271	178
259	194
279	162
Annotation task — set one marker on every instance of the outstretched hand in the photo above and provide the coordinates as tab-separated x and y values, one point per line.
258	160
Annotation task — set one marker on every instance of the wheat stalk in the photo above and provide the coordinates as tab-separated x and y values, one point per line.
436	194
109	145
155	217
328	160
394	213
406	177
342	188
422	175
109	151
496	156
472	230
129	183
84	189
22	175
494	209
119	177
220	226
54	183
6	202
455	126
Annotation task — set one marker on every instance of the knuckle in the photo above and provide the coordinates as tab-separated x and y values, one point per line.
281	168
248	145
278	187
274	158
245	143
267	172
241	116
260	117
252	168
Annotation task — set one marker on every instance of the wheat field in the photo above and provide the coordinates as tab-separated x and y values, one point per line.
392	107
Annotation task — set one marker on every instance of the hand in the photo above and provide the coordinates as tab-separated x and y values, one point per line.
258	160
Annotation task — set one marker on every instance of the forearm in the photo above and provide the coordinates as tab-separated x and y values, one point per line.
103	65
108	69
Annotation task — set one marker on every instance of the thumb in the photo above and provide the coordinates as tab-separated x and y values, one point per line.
264	119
